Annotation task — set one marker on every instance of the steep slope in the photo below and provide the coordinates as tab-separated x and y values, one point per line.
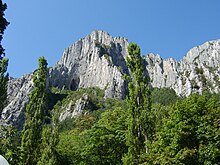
98	60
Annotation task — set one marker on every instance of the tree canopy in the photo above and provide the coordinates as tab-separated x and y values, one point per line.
139	107
3	61
35	116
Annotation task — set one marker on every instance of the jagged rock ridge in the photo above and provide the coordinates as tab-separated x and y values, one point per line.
197	71
98	60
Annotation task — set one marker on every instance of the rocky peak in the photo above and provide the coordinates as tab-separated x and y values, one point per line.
163	73
96	60
196	72
199	69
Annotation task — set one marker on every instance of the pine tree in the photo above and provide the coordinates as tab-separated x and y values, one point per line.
139	107
35	117
3	61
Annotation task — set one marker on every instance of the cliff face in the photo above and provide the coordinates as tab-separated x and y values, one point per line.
197	71
18	97
98	60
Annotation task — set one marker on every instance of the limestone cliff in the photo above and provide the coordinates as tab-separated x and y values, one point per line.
199	70
98	60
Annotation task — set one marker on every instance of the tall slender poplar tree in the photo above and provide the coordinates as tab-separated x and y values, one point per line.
139	107
3	61
50	139
35	117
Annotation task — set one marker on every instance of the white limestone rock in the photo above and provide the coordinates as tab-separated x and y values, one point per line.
18	97
97	60
199	70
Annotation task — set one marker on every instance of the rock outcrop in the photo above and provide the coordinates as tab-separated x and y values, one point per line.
77	108
98	60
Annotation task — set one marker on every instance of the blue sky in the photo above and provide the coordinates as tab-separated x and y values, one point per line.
45	27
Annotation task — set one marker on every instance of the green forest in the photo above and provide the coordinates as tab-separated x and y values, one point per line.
151	126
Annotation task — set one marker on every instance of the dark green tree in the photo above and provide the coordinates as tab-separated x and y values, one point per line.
105	142
190	135
50	139
48	146
9	142
3	61
139	107
209	133
35	117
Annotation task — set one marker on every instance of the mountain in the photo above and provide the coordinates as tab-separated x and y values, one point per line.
99	60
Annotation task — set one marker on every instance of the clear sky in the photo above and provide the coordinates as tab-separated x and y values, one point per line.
45	27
